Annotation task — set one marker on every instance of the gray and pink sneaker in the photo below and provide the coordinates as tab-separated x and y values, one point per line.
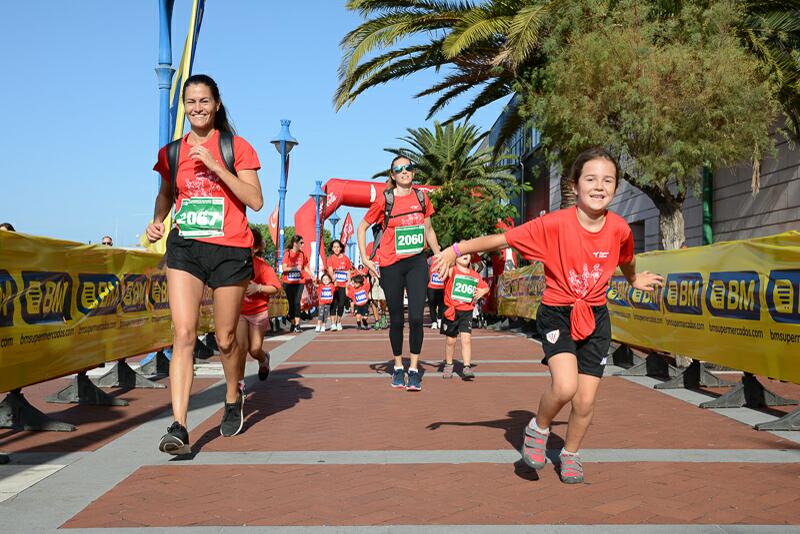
534	447
571	468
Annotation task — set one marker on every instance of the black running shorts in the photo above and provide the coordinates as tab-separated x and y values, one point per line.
461	324
553	325
214	265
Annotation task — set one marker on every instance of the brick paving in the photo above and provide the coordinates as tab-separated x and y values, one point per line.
304	406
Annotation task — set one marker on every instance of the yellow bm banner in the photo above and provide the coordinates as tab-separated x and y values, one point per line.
733	303
65	307
519	291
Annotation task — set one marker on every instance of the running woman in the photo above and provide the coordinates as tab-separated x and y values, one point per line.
581	248
435	298
338	267
407	230
210	244
464	287
325	291
295	269
254	320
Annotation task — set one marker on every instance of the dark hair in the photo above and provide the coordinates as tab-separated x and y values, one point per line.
358	279
340	244
296	239
258	239
323	275
596	152
7	226
390	183
221	121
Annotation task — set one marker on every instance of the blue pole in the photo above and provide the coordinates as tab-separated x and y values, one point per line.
317	201
282	201
164	71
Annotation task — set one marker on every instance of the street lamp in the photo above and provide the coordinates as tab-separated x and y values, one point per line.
318	194
284	143
334	219
351	244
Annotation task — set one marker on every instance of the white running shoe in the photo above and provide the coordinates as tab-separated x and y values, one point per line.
322	329
316	329
433	325
339	326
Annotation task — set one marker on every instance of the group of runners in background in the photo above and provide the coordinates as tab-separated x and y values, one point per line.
212	245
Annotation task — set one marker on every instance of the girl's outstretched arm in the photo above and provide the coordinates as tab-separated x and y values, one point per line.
645	280
447	257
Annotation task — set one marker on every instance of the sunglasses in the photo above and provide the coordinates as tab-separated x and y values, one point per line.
400	168
108	243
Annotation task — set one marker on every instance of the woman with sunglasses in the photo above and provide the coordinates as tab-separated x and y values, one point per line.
295	269
400	261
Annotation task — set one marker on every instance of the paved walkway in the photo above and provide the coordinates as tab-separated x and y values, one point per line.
328	446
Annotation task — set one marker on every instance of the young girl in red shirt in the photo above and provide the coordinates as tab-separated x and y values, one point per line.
581	248
325	293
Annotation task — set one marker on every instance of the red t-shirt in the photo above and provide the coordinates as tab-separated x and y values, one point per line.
577	263
435	281
325	293
297	262
264	275
359	295
194	180
408	214
460	289
341	266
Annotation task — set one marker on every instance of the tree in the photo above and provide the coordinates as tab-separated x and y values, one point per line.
473	192
668	96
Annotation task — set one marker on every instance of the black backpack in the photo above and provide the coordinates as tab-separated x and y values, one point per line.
378	229
174	153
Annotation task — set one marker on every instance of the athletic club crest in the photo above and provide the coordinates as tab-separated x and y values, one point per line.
552	336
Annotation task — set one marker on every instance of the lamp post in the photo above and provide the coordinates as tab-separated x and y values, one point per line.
164	71
334	219
351	250
318	195
284	143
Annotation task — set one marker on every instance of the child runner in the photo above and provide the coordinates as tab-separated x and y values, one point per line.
295	269
254	318
580	247
407	231
463	288
210	244
359	294
435	298
325	291
338	267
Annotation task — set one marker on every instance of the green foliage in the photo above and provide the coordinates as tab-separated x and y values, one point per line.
474	192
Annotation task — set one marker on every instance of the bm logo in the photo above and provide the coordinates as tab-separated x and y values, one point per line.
46	297
683	292
783	296
134	293
734	295
98	294
617	292
8	290
159	296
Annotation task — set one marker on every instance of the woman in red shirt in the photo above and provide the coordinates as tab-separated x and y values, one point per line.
581	248
209	245
338	267
401	259
295	269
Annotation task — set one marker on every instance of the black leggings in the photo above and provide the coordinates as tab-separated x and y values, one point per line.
339	300
294	293
410	274
436	303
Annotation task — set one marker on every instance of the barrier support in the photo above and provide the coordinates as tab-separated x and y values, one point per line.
623	356
158	365
790	421
654	365
84	391
18	414
122	376
4	458
694	377
749	392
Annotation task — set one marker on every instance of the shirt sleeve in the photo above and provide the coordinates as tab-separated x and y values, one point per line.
162	165
529	239
244	156
626	246
375	212
271	278
482	284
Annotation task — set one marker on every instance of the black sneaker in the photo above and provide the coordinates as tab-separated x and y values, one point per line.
414	381
176	440
232	418
399	378
263	369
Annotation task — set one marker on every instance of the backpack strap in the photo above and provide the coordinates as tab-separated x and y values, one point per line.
226	149
173	157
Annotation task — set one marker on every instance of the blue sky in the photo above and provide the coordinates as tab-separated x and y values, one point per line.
81	100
